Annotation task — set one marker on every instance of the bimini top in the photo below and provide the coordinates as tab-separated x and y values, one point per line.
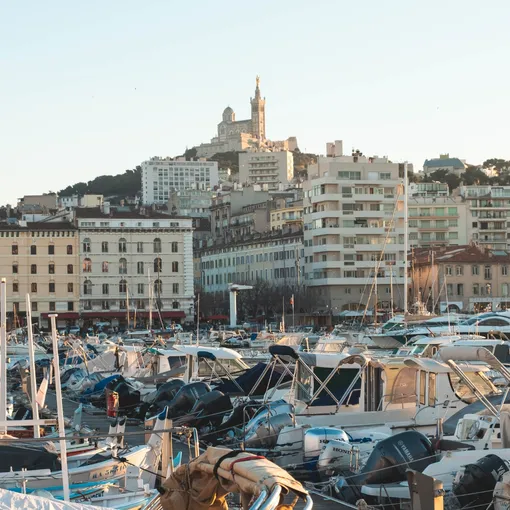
217	352
431	365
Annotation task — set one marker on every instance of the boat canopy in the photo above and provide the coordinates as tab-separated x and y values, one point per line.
217	352
431	365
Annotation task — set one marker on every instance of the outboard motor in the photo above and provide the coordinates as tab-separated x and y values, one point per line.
336	457
265	435
239	415
388	463
168	390
128	397
186	397
475	487
267	411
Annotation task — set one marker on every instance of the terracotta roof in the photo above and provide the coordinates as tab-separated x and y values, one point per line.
40	225
467	254
96	212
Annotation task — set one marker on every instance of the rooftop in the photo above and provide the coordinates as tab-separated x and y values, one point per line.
468	254
39	225
443	163
123	213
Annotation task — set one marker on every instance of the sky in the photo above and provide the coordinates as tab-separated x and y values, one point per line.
97	87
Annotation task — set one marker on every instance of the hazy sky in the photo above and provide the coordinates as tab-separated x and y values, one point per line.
96	87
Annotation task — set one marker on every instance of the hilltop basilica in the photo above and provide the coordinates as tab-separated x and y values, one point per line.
244	135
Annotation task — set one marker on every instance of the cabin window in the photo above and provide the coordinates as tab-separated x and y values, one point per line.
403	389
432	389
423	385
463	392
304	388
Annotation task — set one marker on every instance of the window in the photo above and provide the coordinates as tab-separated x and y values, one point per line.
33	269
106	289
69	249
487	272
504	270
139	247
448	270
87	266
51	268
70	306
449	289
87	287
70	269
158	265
140	288
122	304
33	287
33	250
52	306
139	267
175	267
122	266
34	306
158	287
15	286
459	270
122	245
475	270
104	247
70	287
122	287
140	304
175	247
86	245
14	249
460	289
105	305
104	267
476	289
15	269
175	288
504	289
175	305
157	245
51	249
87	305
51	287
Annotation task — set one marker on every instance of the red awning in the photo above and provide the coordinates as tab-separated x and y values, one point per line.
61	315
175	314
100	314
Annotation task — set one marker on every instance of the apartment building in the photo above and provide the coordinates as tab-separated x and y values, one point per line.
128	257
489	218
437	221
286	213
444	163
162	176
273	257
354	231
461	278
268	169
41	259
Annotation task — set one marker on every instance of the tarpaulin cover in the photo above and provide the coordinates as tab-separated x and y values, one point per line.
205	481
13	501
247	380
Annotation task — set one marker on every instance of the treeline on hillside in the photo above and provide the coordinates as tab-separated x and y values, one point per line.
127	184
473	175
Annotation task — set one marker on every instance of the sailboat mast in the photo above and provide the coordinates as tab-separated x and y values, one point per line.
391	291
150	298
3	355
127	306
406	237
198	317
375	297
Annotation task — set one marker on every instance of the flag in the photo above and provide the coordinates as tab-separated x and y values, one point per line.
292	300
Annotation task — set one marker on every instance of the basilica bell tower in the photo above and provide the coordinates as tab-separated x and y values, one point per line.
258	114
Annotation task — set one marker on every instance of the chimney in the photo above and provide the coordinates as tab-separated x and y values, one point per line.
106	208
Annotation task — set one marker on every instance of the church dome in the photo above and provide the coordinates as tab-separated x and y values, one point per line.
229	115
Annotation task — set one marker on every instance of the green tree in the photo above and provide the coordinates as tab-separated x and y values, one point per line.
444	176
473	175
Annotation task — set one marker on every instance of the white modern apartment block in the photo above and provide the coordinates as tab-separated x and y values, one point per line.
269	169
438	221
354	231
122	253
162	176
277	259
489	215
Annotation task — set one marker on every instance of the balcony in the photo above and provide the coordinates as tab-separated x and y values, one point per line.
396	280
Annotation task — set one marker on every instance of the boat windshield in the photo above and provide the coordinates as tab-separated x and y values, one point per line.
465	393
